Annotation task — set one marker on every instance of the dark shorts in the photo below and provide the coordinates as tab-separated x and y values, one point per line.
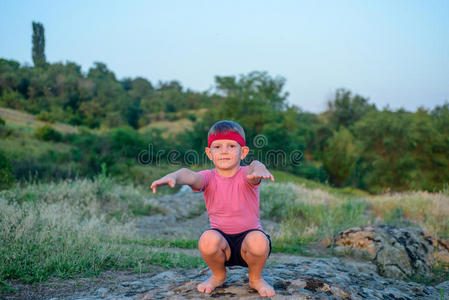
235	243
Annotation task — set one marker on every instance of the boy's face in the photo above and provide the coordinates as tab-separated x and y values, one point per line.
226	154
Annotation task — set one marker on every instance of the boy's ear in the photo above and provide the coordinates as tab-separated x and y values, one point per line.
207	150
245	151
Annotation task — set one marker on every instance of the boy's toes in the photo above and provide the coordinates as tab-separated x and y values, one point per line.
270	293
263	288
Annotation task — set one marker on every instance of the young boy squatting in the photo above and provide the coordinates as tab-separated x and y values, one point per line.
232	201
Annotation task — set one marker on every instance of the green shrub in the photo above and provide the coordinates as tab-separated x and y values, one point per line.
311	171
191	117
6	176
47	133
4	130
45	116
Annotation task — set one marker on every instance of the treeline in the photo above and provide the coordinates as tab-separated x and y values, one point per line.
61	92
352	143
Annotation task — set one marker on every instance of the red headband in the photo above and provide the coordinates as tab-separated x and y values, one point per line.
230	135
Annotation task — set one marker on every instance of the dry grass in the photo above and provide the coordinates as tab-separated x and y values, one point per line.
65	229
25	119
313	214
169	128
429	210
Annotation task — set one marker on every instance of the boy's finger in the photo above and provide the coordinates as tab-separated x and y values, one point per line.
154	189
171	183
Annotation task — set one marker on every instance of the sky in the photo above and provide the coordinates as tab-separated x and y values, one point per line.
395	53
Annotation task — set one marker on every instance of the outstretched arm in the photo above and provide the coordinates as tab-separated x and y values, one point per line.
257	171
181	177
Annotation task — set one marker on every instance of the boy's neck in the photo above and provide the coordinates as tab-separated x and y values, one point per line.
227	172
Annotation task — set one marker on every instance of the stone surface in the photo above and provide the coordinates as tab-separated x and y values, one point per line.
307	278
397	252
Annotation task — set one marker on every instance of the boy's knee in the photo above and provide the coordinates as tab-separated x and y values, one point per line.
210	242
256	243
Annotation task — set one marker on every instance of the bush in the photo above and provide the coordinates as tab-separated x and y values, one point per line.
45	116
45	167
47	133
6	176
4	130
191	117
311	171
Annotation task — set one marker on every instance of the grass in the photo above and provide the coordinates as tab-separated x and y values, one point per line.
64	230
24	145
164	243
169	128
310	215
284	177
438	273
430	211
25	119
82	227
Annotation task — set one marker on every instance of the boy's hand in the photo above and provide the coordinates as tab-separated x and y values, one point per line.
166	180
257	171
264	175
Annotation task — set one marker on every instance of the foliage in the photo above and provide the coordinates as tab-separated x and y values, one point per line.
47	133
6	175
351	145
340	156
402	150
38	45
345	110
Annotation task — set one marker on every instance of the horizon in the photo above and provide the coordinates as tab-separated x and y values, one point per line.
394	54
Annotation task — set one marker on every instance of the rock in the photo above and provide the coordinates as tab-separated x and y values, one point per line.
397	252
308	278
443	288
305	278
102	292
357	239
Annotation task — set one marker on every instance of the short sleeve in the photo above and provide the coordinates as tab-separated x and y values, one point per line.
207	175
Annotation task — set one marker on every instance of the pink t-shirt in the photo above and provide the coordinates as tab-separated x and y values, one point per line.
232	203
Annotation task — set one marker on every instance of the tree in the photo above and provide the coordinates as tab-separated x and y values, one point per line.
38	45
345	109
340	156
253	100
389	140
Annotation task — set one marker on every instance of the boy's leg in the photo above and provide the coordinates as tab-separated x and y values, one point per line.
215	251
255	250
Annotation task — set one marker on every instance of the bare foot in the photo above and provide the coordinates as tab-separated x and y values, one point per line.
209	285
264	289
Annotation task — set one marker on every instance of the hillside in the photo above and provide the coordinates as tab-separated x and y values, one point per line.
22	118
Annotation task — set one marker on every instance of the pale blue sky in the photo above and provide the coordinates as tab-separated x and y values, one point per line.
395	53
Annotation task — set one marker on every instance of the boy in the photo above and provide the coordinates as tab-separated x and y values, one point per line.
232	201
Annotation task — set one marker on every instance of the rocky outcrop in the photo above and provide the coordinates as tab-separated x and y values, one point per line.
307	278
397	252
